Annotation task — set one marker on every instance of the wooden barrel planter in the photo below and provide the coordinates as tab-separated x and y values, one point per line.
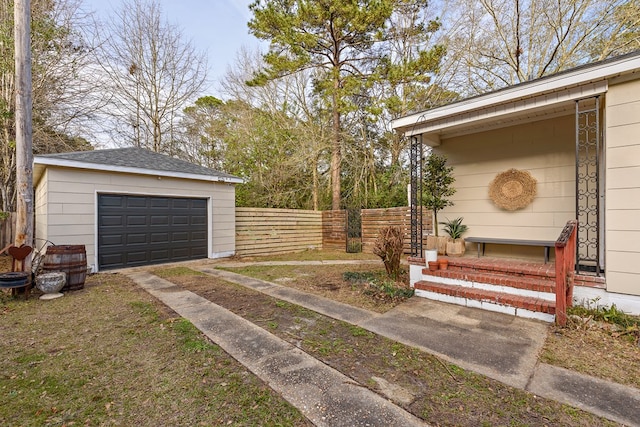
72	259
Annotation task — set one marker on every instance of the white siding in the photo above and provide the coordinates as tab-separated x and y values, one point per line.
41	208
546	149
622	194
66	204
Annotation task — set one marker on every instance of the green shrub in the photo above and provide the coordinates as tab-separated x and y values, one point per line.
387	290
605	314
358	276
628	326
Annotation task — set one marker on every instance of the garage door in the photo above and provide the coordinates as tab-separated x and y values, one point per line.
142	230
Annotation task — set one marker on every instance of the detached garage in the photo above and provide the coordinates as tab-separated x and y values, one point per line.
133	207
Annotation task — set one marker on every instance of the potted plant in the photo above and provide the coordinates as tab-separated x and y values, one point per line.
437	180
455	229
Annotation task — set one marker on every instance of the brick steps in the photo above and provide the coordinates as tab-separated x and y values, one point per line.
537	284
516	301
508	286
504	266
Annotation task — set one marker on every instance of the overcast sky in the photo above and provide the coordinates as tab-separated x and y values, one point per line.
218	27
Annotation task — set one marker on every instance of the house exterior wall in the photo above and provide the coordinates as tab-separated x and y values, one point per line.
544	148
41	209
67	213
622	187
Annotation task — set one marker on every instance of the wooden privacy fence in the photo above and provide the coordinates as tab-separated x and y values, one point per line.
262	231
7	230
375	219
272	231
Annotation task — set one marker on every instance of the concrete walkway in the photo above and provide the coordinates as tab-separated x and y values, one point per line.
499	346
322	394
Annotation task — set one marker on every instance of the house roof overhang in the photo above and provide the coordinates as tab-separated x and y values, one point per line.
546	97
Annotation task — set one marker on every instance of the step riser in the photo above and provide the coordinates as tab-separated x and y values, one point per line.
538	273
529	303
486	305
548	296
526	283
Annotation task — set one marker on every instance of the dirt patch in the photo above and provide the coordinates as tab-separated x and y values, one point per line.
441	393
364	286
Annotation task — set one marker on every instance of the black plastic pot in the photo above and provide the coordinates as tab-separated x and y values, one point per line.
13	279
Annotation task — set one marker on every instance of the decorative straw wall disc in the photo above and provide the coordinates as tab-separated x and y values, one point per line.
513	189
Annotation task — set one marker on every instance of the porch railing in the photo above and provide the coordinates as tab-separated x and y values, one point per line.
565	270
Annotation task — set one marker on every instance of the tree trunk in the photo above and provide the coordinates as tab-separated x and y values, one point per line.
336	154
435	222
316	184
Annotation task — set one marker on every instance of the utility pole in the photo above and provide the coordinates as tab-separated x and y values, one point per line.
24	131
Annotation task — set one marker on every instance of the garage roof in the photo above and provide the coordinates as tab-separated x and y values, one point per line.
131	160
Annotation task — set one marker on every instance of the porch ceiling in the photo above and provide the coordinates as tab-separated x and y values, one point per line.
547	97
437	125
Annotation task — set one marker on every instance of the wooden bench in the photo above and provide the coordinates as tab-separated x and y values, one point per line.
481	241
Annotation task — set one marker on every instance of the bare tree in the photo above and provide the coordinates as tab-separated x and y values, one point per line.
504	42
623	36
152	73
62	97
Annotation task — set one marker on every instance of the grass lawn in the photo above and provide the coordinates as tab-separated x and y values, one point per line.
112	355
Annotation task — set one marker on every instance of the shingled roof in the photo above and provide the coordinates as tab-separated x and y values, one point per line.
134	160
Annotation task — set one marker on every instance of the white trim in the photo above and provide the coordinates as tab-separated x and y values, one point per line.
210	226
498	308
586	295
138	171
530	108
595	75
226	254
96	267
415	274
536	315
449	299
